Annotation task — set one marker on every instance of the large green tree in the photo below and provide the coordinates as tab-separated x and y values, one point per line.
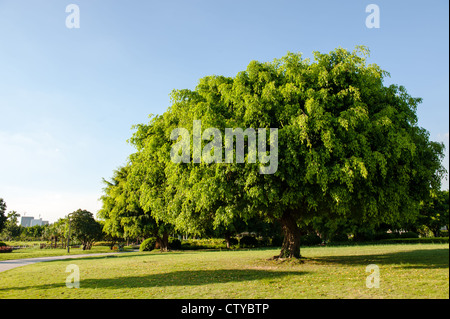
348	147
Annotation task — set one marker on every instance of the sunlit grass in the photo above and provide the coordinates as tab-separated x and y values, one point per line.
35	251
406	271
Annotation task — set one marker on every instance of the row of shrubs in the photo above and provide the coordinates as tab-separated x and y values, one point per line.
217	243
380	238
369	236
426	240
207	243
306	240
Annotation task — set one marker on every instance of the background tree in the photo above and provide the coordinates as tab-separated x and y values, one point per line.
85	228
122	215
444	202
35	232
2	214
348	148
11	229
434	213
57	231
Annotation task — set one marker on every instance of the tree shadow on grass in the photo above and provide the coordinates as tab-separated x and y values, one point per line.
415	259
175	278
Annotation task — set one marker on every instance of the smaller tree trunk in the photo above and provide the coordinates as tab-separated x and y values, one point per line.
227	239
111	244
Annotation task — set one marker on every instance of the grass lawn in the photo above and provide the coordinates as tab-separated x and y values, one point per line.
34	252
406	271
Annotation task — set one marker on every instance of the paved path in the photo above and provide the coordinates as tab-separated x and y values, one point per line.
13	263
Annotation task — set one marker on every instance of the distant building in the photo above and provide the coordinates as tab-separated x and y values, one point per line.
29	221
26	221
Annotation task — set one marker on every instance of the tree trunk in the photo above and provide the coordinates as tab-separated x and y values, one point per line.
227	239
291	241
163	241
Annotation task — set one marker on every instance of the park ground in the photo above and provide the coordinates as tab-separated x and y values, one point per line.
406	271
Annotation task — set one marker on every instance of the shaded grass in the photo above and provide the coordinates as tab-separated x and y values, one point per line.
406	271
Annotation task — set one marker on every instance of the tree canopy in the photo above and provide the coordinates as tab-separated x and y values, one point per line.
347	146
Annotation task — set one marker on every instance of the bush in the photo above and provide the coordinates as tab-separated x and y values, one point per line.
264	242
338	238
102	243
248	242
428	240
2	244
277	241
384	235
362	236
233	242
148	244
409	234
6	249
310	240
174	243
205	243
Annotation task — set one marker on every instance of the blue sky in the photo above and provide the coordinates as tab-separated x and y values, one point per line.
68	97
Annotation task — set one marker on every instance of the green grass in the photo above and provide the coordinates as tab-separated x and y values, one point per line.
406	271
34	251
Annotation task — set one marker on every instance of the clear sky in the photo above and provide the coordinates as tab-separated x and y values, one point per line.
68	97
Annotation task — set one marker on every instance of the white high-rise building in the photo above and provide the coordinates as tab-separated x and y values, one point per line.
26	221
29	221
